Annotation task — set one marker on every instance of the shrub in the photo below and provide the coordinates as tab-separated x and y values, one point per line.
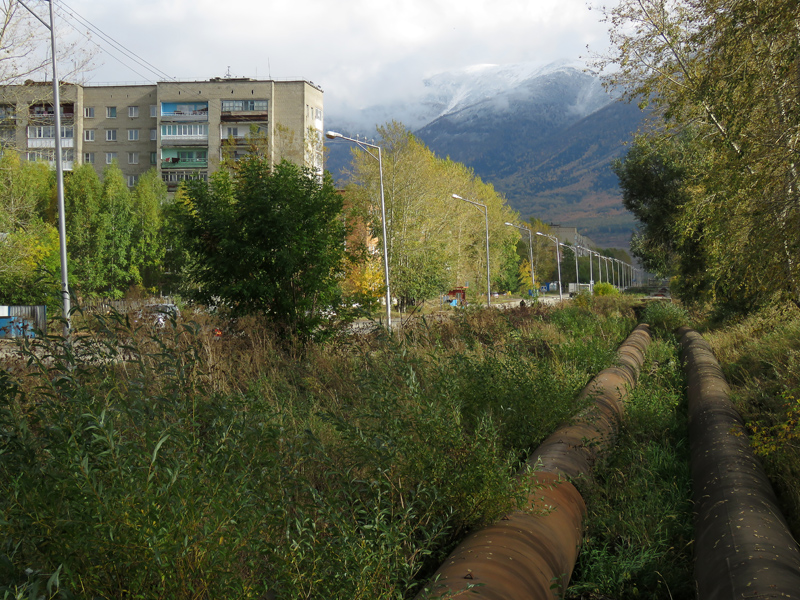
664	317
605	289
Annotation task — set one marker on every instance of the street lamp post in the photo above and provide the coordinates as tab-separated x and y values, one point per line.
530	251
577	279
62	227
486	217
553	238
591	272
599	267
332	135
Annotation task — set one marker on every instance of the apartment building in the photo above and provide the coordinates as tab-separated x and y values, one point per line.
183	129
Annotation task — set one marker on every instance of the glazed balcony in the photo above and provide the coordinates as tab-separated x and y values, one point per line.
178	163
183	116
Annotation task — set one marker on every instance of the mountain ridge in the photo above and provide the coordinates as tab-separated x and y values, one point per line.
543	135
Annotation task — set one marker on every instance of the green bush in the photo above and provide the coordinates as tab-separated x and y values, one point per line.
605	289
664	317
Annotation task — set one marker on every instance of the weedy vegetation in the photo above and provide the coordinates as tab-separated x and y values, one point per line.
176	463
760	356
638	539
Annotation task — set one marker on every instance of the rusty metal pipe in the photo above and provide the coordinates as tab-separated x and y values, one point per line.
743	547
530	555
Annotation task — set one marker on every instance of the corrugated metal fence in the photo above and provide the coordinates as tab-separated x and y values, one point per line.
18	321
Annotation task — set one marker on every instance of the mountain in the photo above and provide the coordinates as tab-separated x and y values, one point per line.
544	136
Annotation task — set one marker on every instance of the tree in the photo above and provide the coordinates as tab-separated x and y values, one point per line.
29	264
147	244
268	241
28	245
434	241
723	72
24	192
117	222
22	40
85	229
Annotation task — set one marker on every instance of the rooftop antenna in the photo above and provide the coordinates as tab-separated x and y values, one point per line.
269	69
228	74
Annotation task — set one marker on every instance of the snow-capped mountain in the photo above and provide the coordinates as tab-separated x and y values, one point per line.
452	91
543	135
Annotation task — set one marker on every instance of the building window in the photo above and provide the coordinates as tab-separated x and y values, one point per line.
88	112
153	158
110	157
88	158
111	112
133	158
88	135
111	135
133	135
153	134
46	131
133	112
232	132
244	105
185	130
132	180
154	110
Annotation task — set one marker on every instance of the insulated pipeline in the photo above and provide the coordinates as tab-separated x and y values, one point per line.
530	556
743	547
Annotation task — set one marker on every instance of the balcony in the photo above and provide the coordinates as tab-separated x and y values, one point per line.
45	115
184	140
243	116
176	163
50	143
174	178
185	115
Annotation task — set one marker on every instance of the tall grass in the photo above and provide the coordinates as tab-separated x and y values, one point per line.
639	525
760	356
176	464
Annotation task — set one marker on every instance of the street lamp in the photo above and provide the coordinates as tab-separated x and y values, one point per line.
530	250
577	280
591	272
553	238
599	268
62	228
332	135
486	217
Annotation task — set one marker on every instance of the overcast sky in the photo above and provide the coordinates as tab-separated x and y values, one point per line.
361	52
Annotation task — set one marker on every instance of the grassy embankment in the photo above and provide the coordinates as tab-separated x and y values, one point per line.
175	465
760	356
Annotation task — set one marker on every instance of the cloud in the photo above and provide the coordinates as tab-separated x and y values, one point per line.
360	51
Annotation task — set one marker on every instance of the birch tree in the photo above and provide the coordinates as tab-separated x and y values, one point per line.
724	74
435	242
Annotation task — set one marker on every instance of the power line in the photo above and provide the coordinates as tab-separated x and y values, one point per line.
69	14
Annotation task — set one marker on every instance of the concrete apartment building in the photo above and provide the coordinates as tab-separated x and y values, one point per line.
183	129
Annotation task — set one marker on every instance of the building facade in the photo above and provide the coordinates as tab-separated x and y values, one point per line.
183	129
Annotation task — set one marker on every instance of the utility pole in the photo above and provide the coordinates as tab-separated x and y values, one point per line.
62	227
